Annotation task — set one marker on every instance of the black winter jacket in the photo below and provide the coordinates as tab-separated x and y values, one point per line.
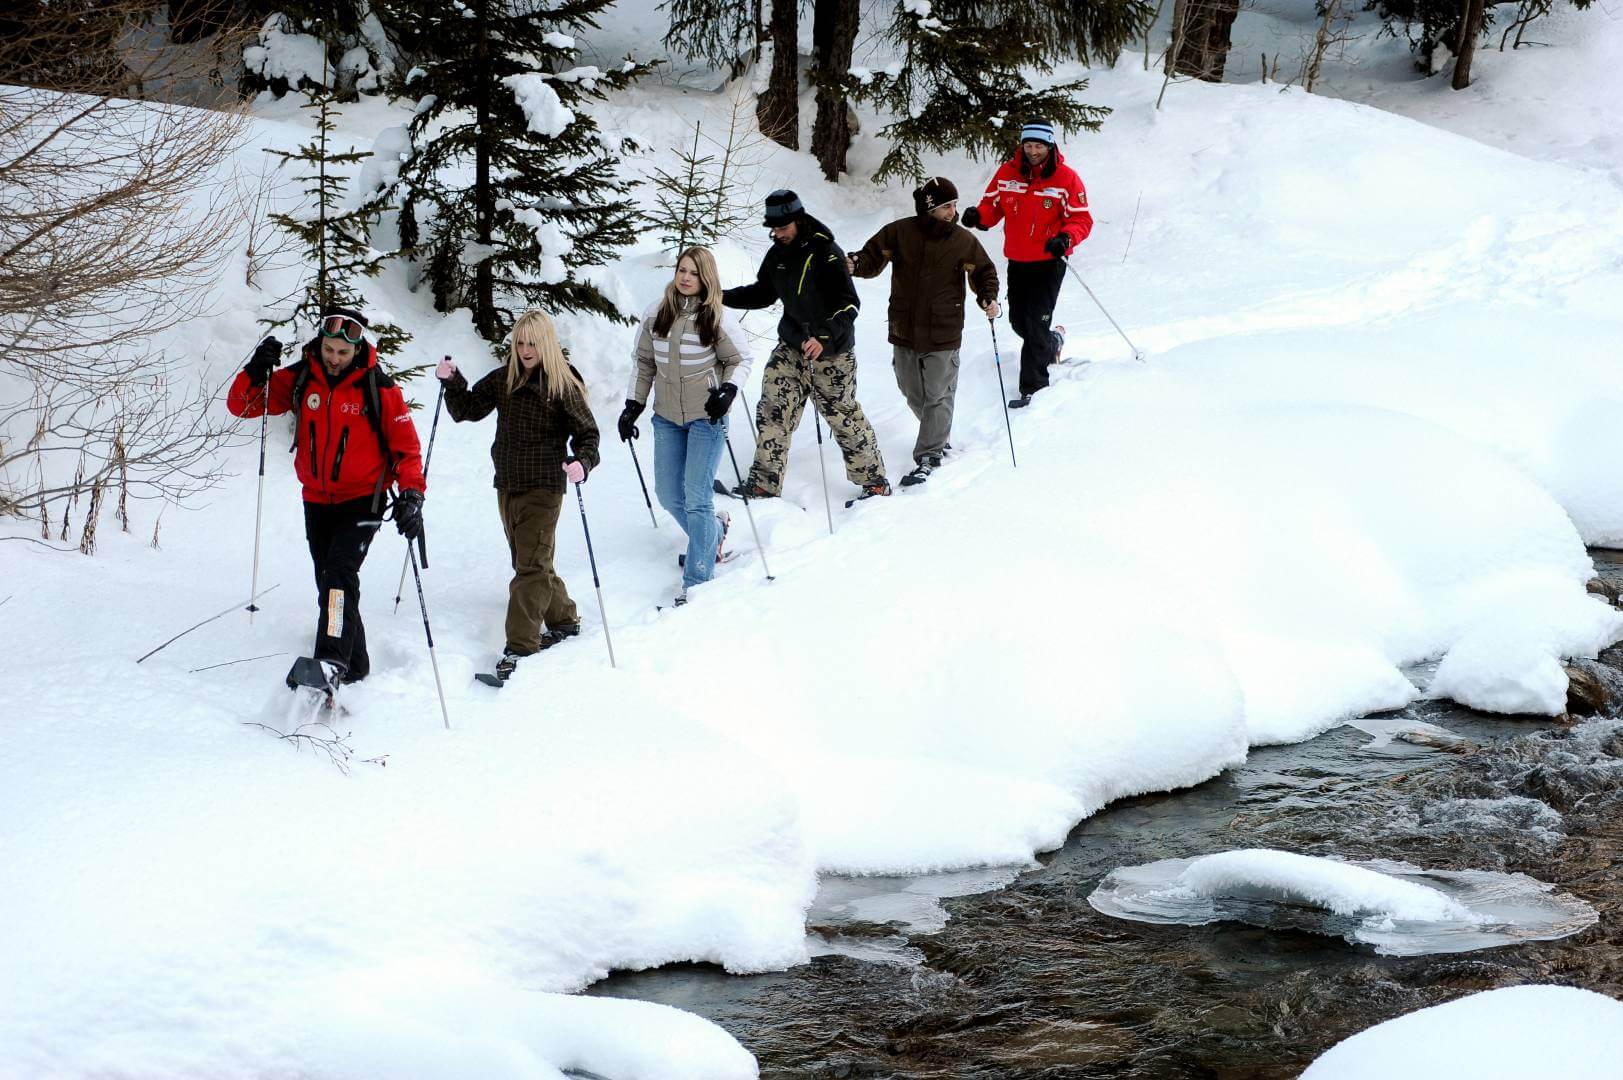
809	276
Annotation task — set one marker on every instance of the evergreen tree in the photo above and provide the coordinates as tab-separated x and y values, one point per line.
512	188
724	33
701	202
684	199
960	84
336	240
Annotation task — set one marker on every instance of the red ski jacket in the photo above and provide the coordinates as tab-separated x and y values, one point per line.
1036	208
337	455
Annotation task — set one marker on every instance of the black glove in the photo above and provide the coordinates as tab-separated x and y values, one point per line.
628	420
408	513
971	218
1059	245
720	400
266	357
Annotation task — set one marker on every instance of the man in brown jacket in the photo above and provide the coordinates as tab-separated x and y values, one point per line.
933	257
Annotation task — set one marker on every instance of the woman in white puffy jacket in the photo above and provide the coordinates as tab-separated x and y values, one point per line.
693	357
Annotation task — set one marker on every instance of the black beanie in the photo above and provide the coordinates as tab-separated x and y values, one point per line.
933	193
782	207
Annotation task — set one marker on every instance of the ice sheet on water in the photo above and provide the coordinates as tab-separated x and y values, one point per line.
1400	909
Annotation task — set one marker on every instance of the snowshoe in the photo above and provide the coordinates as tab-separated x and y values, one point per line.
1020	402
504	670
557	634
323	675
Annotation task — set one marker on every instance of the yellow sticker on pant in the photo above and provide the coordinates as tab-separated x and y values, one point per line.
335	612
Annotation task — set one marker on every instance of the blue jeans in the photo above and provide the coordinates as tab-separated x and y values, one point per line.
685	460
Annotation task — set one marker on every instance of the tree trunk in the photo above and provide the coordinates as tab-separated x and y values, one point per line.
778	110
1465	52
484	282
1201	37
834	30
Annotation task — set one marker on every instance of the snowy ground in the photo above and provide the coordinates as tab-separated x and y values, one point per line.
1377	426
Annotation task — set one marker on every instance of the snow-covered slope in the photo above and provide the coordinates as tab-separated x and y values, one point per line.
1375	427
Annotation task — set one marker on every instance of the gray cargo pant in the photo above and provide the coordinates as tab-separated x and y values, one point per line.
929	382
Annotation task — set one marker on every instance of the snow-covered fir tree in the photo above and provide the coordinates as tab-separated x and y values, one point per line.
334	231
295	38
511	189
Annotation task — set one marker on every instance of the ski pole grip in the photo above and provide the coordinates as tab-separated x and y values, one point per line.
422	546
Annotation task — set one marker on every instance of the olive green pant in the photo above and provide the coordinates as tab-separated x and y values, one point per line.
536	595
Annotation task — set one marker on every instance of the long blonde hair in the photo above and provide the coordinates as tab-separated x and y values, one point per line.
534	327
709	314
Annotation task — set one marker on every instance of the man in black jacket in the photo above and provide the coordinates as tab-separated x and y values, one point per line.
814	358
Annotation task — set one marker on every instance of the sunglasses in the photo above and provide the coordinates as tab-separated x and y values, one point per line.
340	326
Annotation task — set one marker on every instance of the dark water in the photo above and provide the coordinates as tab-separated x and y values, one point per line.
1028	980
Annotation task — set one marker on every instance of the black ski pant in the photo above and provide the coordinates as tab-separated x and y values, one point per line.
339	534
1033	288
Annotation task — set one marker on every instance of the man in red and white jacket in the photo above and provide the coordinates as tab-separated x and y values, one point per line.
1044	210
353	437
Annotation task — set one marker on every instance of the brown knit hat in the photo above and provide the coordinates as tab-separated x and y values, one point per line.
933	193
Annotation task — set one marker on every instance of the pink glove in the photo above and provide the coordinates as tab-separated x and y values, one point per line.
445	369
574	471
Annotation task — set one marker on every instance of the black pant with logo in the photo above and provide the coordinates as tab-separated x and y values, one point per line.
1033	288
339	535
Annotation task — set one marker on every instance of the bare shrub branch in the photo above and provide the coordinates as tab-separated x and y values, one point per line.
115	219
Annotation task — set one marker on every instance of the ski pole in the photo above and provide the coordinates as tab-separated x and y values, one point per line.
411	557
433	430
205	622
749	414
748	511
1002	394
828	506
259	499
596	584
1138	353
653	520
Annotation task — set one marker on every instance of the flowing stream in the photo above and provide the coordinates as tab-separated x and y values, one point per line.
1008	974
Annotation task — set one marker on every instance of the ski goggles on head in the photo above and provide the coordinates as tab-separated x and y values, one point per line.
342	326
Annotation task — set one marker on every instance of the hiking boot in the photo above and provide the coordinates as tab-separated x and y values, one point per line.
1020	402
878	487
726	520
551	637
505	666
748	490
921	472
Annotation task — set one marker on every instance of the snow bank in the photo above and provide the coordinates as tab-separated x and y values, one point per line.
1497	1035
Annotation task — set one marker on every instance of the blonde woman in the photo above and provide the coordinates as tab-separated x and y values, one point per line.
693	358
545	437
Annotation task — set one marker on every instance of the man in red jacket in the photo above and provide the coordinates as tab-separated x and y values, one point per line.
352	438
1044	210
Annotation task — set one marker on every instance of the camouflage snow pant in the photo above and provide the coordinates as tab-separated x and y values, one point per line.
789	379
